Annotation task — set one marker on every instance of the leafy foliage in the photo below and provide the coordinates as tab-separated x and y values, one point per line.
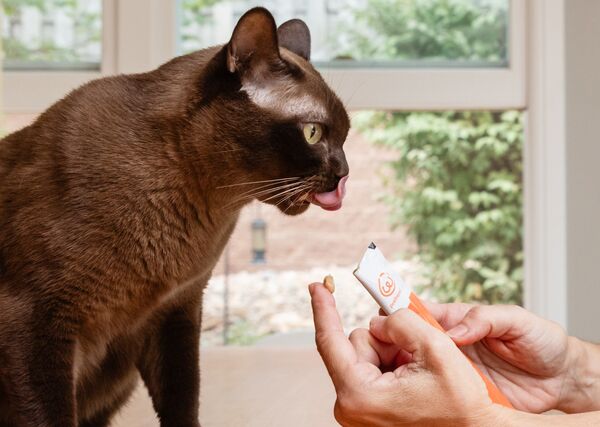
457	184
87	31
193	16
243	333
429	29
458	188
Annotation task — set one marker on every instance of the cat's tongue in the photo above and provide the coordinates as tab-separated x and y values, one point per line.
332	200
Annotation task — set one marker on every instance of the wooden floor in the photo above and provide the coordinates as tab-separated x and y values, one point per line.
254	387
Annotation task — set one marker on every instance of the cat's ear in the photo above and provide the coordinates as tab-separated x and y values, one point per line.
254	41
294	35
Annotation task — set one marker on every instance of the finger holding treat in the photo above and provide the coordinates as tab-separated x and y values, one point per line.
435	384
329	283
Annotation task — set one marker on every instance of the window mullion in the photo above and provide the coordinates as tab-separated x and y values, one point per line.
109	37
146	34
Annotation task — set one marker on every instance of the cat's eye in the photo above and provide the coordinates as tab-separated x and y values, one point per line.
312	132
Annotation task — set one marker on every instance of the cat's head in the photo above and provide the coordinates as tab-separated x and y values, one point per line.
291	127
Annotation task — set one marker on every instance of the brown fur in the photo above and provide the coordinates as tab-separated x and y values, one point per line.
115	206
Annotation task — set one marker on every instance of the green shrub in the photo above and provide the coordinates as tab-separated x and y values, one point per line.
471	30
243	333
458	189
457	184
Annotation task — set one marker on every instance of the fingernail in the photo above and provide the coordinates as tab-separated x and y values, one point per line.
311	288
458	331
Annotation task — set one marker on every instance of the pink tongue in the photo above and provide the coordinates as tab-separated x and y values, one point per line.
332	200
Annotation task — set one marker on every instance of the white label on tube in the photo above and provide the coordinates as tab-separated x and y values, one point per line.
381	280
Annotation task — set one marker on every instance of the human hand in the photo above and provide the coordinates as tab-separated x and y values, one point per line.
530	359
401	372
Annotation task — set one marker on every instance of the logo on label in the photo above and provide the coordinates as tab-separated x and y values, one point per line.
386	284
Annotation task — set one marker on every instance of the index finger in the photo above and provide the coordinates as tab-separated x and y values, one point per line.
336	350
448	315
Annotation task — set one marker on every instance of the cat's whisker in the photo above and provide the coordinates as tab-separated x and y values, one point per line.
279	185
267	186
253	193
264	192
282	193
290	189
305	191
295	201
259	182
302	192
289	200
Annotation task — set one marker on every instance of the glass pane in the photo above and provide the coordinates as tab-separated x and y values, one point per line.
444	204
371	32
52	34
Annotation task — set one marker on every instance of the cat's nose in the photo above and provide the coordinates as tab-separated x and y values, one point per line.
339	165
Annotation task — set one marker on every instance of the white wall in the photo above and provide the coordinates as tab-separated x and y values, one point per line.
582	47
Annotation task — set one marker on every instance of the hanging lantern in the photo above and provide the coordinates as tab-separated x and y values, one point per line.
259	241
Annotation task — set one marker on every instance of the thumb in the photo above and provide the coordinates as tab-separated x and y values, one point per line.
411	333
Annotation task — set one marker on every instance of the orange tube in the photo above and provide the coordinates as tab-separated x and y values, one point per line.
495	394
386	286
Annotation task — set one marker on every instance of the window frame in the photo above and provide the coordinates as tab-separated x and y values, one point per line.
139	35
451	88
545	174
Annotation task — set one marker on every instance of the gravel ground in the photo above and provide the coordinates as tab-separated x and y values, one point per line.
267	302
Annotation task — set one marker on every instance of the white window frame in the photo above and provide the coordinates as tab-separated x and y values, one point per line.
434	89
545	180
138	35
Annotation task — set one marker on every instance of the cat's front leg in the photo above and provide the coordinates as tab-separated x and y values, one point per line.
38	377
170	367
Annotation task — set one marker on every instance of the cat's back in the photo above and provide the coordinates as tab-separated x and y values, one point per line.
80	177
89	133
67	168
107	115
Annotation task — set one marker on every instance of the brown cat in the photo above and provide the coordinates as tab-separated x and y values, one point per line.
115	206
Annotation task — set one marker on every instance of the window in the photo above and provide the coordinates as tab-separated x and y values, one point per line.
380	33
439	193
51	35
387	53
483	71
367	48
370	65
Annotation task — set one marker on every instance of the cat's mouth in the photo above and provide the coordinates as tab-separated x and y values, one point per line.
295	203
331	200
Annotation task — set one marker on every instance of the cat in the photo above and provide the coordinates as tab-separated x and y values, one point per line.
116	203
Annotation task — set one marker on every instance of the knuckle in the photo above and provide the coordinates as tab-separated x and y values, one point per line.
322	339
322	306
438	344
358	334
517	309
477	313
397	319
519	315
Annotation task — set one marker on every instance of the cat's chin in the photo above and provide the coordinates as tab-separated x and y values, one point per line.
294	209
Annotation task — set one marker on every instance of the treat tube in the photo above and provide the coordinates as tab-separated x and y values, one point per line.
391	293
